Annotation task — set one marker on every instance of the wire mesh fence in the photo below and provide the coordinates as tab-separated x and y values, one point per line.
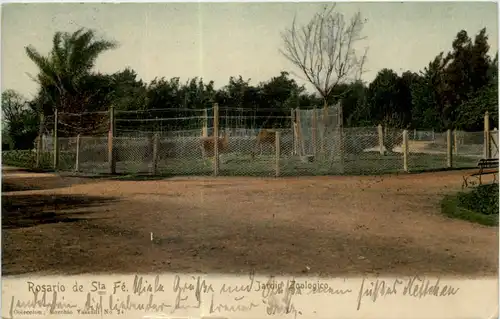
428	154
357	151
468	148
302	143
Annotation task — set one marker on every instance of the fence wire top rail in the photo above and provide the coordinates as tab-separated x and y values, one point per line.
256	116
164	110
82	113
161	119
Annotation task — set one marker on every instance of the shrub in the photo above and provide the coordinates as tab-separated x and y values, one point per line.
482	199
20	158
27	159
479	205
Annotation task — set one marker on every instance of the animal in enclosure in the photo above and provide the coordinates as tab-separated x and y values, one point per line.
208	144
265	138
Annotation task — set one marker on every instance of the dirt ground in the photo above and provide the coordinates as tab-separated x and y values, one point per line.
334	225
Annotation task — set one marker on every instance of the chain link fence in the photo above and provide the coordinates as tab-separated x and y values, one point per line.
428	154
468	148
306	142
278	152
357	151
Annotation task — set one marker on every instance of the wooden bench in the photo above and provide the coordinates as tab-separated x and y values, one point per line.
486	167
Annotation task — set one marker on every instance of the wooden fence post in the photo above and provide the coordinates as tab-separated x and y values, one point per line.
205	123
487	147
155	154
314	130
340	124
37	154
455	142
111	135
324	129
216	139
299	133
278	151
297	130
380	131
449	149
55	142
405	151
494	143
77	161
292	123
39	146
204	131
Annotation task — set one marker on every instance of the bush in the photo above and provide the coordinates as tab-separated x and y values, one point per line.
20	158
27	159
479	205
483	199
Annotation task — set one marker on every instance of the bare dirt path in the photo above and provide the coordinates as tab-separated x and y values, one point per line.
334	225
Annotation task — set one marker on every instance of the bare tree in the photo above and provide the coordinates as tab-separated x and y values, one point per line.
324	49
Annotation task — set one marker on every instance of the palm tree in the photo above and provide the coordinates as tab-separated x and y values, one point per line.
60	72
72	57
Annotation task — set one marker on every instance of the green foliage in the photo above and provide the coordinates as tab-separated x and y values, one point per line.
383	98
482	199
25	159
479	205
65	80
20	121
471	112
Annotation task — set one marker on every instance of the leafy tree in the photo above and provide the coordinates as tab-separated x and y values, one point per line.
427	97
354	102
20	121
465	74
64	72
71	59
196	94
405	100
237	94
485	99
13	104
129	93
280	91
383	95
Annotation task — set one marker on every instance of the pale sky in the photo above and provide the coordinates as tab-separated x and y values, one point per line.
219	40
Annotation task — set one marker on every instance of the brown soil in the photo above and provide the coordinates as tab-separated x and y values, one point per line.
334	225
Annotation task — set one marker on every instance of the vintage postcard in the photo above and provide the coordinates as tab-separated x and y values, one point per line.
250	160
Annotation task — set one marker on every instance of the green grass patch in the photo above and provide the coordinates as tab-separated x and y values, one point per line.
423	161
480	205
367	163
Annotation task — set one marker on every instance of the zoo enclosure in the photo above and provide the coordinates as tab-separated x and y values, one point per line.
306	142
